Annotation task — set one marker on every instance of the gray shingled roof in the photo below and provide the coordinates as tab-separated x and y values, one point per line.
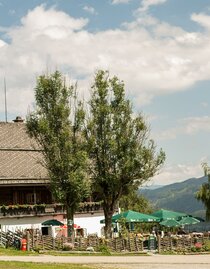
18	158
14	136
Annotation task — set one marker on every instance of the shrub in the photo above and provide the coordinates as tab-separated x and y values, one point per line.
103	249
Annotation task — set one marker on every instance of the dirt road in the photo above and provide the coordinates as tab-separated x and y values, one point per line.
127	262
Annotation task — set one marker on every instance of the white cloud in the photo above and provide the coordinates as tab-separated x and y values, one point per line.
186	126
90	9
146	4
202	19
49	22
2	43
152	62
116	2
177	173
197	124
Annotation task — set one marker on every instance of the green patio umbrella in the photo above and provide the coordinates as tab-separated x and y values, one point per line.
133	216
170	223
163	214
52	222
188	220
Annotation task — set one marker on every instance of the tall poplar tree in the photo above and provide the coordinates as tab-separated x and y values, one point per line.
203	193
123	156
56	127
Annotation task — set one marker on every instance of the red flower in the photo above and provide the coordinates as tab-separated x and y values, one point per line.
198	245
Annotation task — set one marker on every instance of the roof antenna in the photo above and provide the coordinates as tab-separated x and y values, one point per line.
5	99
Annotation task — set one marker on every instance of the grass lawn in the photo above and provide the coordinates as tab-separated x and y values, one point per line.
29	265
14	252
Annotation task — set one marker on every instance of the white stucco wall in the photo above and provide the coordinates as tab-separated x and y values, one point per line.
14	224
90	223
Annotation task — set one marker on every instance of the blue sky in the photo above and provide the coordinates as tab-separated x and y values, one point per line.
160	48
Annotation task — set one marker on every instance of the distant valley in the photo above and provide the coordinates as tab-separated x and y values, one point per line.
178	196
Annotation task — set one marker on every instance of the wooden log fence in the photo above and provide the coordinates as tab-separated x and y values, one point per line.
183	243
3	239
10	239
130	244
40	242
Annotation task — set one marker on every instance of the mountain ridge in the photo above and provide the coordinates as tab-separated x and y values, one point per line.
179	196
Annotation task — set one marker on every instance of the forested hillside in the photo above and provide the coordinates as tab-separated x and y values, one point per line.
178	196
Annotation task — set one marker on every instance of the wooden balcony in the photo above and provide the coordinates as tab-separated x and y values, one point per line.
30	210
46	209
90	208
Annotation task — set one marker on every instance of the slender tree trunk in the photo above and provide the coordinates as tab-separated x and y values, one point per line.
108	213
70	222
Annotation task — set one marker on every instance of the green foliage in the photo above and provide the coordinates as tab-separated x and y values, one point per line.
56	125
207	245
124	231
122	154
104	249
204	192
204	195
134	201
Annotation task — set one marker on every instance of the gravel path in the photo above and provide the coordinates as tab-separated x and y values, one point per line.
127	262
